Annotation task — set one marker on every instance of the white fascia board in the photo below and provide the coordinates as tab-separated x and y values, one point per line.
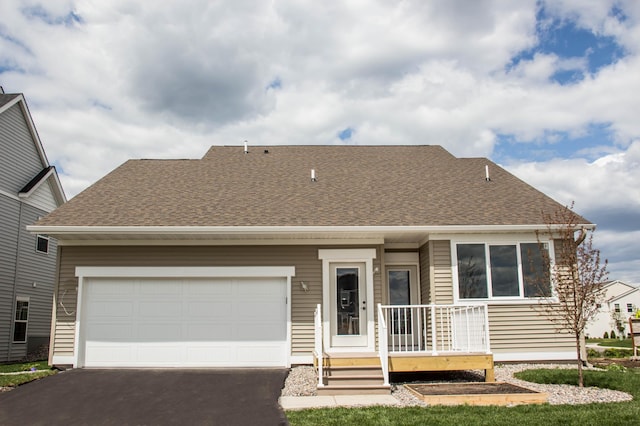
184	271
267	230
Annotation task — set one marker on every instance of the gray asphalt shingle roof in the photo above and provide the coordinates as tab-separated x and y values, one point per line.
356	186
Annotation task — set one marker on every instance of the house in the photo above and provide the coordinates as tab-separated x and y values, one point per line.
282	255
621	301
29	189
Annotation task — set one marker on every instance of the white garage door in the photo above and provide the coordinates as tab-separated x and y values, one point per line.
195	322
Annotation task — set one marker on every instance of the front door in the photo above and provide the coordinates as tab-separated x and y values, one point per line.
348	305
403	291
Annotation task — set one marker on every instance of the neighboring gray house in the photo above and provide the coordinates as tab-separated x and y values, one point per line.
29	189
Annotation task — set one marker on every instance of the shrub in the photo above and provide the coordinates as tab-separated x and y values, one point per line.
592	353
617	353
606	335
613	334
616	367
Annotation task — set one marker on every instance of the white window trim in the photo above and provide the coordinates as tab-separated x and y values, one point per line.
44	237
84	273
26	331
499	240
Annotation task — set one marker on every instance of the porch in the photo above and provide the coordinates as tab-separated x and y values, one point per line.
409	338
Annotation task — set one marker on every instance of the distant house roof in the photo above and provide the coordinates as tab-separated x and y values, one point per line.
272	186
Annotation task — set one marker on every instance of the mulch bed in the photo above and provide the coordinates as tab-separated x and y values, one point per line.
469	389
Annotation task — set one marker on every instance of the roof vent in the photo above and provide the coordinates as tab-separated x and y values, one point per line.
314	177
486	174
266	151
246	147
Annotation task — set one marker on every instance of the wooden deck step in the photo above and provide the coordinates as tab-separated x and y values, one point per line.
353	370
352	374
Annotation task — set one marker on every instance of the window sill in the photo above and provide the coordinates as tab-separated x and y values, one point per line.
507	301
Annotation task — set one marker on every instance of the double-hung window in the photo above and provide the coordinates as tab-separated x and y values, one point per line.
502	270
21	319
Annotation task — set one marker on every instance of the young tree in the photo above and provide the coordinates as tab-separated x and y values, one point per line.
577	276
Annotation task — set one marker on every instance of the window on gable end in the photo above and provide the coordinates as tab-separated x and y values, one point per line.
42	244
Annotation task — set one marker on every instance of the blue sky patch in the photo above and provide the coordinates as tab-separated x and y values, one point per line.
563	38
345	133
596	140
39	12
275	84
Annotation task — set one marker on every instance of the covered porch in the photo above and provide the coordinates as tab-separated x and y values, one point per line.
409	338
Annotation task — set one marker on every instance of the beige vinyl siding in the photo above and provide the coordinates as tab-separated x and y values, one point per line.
523	328
440	272
425	276
304	258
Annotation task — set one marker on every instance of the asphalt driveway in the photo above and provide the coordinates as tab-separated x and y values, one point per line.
148	397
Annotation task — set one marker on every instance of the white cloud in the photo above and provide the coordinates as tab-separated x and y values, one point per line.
169	79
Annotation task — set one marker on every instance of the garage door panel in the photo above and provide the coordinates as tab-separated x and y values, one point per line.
159	332
113	287
209	287
160	309
213	309
159	288
262	332
111	309
209	332
185	322
110	332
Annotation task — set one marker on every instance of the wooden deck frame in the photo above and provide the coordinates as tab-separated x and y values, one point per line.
418	362
443	362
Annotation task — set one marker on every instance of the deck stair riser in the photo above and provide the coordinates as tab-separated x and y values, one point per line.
352	375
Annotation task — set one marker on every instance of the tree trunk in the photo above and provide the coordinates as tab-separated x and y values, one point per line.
578	348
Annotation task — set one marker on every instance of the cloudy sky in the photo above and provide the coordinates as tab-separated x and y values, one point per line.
549	90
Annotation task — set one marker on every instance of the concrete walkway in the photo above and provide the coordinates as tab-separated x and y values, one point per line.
326	401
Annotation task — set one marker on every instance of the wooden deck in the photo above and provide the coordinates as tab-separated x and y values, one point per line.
414	362
442	362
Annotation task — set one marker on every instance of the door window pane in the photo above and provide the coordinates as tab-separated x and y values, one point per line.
504	270
535	270
472	271
399	291
347	301
400	294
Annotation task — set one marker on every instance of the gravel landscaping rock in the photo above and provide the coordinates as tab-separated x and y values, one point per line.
302	382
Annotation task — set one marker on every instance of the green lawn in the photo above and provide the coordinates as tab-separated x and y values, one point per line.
591	414
624	343
25	366
10	380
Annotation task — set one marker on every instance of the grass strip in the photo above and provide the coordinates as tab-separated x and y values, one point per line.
583	415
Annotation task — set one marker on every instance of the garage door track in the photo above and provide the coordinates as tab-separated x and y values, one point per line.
148	397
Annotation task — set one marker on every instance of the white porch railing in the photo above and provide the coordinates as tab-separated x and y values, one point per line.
383	351
318	351
436	328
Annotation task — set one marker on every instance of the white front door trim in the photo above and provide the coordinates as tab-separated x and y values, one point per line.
363	255
86	272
